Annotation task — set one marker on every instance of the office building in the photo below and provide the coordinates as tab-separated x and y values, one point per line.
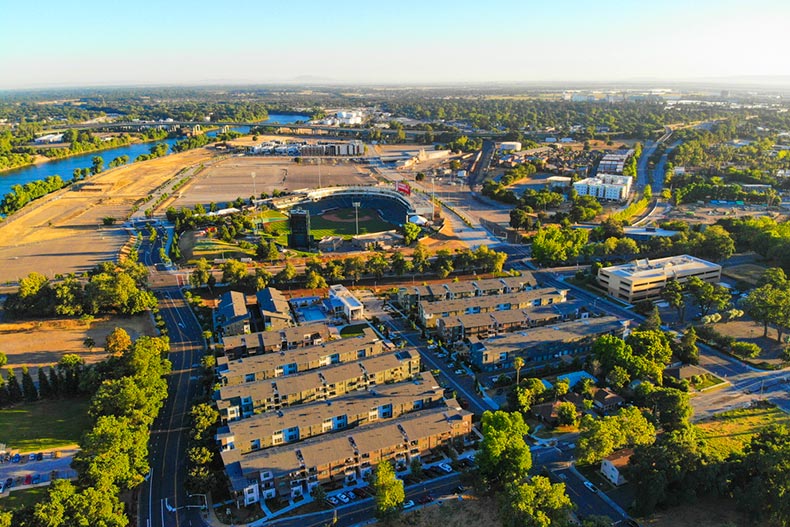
645	279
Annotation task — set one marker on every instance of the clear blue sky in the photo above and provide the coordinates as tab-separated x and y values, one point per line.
58	43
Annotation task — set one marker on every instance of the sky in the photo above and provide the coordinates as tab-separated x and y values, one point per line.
50	43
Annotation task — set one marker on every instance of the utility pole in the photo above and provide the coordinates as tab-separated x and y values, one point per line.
254	195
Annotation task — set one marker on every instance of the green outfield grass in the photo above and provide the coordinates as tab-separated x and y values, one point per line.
320	226
21	498
44	425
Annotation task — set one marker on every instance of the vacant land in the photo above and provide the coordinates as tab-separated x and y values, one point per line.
711	512
232	178
728	432
749	331
453	513
194	245
63	233
40	343
44	425
746	273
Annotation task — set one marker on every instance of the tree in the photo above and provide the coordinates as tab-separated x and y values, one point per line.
234	272
66	505
537	503
44	388
272	252
708	295
200	275
518	363
29	390
313	280
117	342
653	345
97	164
411	232
716	245
3	359
318	493
618	378
671	407
504	456
113	453
443	263
566	414
561	387
419	258
762	477
598	438
400	265
416	467
687	350
15	394
388	489
653	321
673	294
286	274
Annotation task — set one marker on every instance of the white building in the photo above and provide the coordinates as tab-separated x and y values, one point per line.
605	186
515	146
49	138
614	162
352	307
645	279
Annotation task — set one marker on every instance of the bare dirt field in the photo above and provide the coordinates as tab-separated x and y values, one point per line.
41	343
63	232
232	178
747	273
750	331
709	214
452	513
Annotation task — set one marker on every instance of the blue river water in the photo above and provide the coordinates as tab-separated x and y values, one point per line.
65	167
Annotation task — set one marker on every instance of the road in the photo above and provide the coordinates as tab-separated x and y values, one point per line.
164	487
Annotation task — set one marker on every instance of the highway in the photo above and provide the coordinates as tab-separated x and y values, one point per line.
162	497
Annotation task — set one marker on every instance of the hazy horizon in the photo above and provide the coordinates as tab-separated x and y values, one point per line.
408	43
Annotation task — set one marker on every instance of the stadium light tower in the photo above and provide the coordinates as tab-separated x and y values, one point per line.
356	205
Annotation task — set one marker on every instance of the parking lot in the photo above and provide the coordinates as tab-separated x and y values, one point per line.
26	471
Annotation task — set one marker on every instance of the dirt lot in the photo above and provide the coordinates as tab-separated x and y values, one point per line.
710	214
41	343
62	233
750	331
232	178
747	273
452	513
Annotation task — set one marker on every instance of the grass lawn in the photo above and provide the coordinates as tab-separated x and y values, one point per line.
353	331
44	425
548	433
728	432
23	498
210	248
709	380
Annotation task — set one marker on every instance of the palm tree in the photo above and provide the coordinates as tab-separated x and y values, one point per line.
518	362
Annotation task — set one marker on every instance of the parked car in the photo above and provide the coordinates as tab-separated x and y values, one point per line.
39	456
360	493
28	479
590	487
342	497
334	501
9	483
446	467
459	489
425	499
16	459
408	504
36	479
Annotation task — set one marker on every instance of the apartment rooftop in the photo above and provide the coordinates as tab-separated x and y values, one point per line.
264	341
353	404
337	447
488	302
266	365
231	305
313	379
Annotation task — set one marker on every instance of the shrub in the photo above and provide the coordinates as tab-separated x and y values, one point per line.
746	349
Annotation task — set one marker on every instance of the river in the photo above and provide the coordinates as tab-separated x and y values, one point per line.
65	167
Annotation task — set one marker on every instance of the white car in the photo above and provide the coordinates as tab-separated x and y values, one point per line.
408	504
343	498
590	487
446	467
334	501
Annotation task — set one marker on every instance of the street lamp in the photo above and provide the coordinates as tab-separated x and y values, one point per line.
254	195
356	205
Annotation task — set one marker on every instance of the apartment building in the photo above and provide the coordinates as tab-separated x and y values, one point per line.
301	422
351	307
546	344
614	162
409	296
289	338
240	401
274	309
269	365
231	316
610	187
454	329
645	279
430	312
292	470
